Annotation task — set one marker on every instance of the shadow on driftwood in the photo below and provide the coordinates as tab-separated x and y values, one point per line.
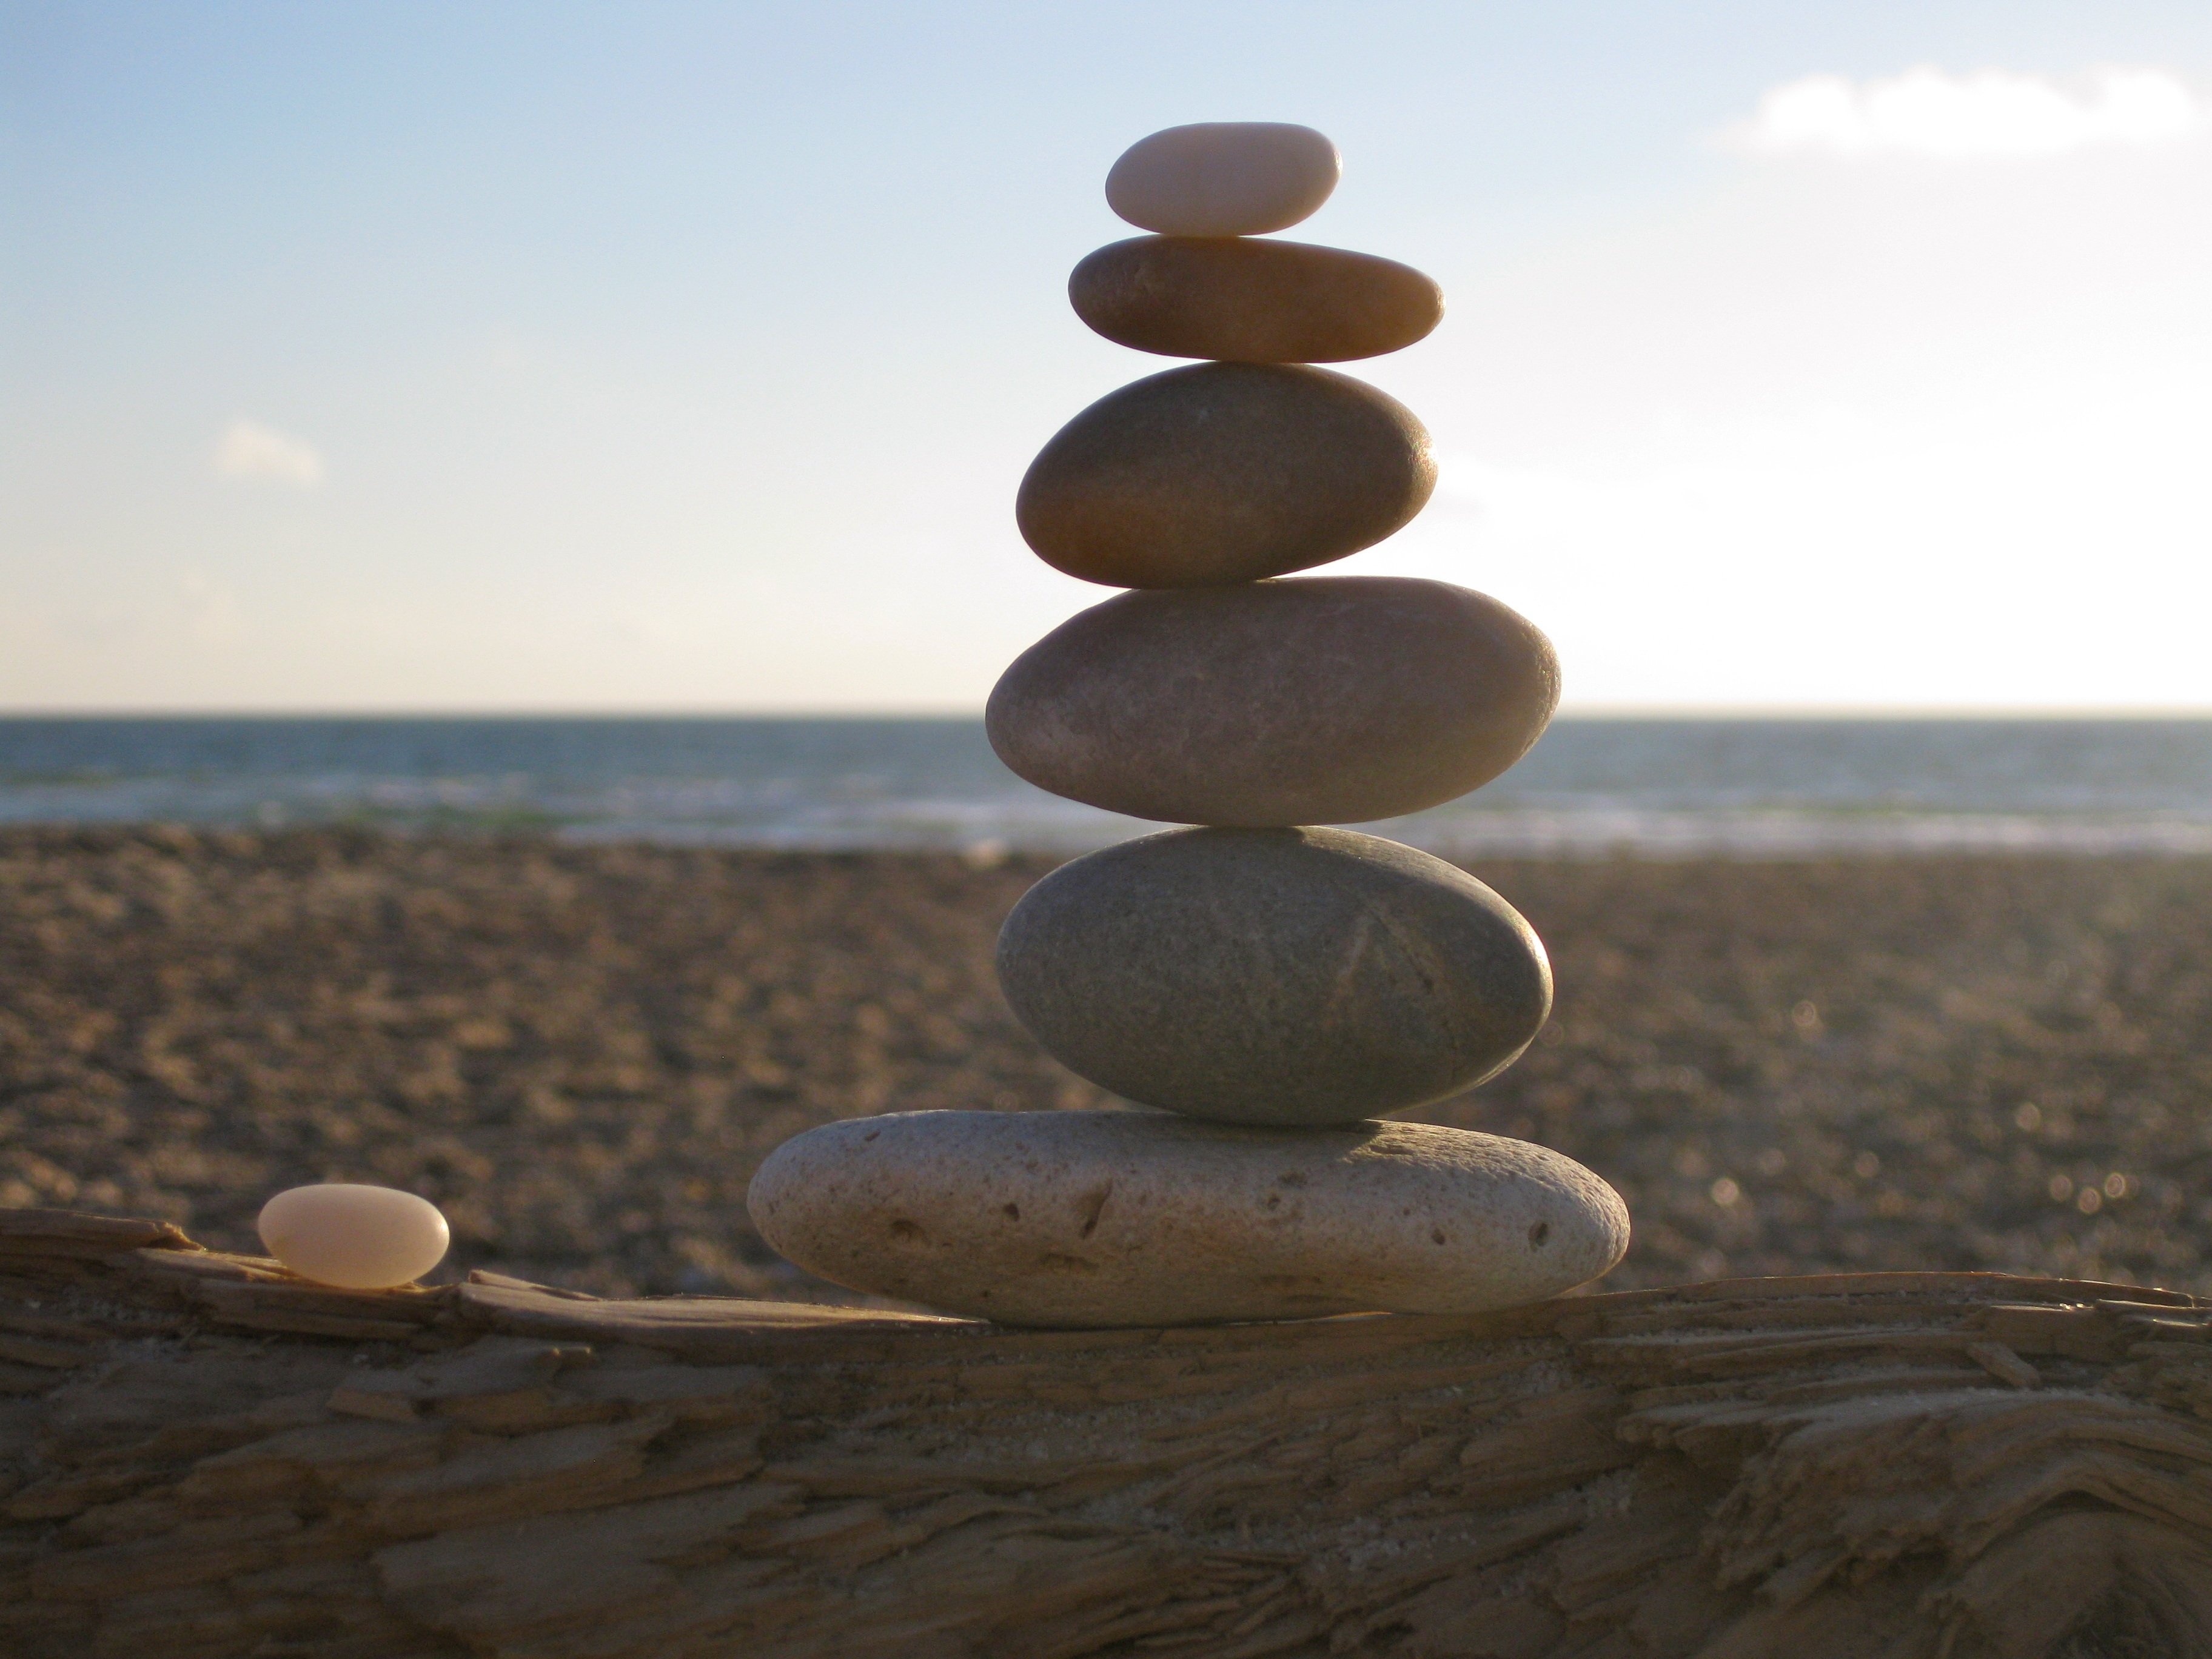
206	1456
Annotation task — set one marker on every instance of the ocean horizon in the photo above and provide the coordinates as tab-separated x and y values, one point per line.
1768	785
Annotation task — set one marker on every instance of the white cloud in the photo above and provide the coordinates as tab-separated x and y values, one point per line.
248	449
1921	435
1991	112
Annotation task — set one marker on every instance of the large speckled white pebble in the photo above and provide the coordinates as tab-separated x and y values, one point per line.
1078	1218
360	1238
1224	177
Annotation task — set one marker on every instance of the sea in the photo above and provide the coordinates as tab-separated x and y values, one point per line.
1660	788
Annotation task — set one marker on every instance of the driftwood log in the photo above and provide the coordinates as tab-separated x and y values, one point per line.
203	1455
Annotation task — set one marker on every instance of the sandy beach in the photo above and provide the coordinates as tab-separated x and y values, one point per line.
583	1052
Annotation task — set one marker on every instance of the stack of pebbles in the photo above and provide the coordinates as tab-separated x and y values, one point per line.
1269	989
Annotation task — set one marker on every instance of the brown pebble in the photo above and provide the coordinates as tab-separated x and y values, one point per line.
1224	473
1252	301
1323	700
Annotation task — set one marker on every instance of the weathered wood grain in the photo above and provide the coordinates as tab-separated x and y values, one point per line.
203	1456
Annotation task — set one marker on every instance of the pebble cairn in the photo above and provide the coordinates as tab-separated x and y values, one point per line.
1268	988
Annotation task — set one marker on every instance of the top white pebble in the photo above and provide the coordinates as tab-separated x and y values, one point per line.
361	1238
1224	177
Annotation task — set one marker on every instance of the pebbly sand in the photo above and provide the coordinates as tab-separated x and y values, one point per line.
583	1052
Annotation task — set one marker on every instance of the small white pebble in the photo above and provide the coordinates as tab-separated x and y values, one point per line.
360	1238
1224	177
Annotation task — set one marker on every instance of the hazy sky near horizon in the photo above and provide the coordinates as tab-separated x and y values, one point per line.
1808	354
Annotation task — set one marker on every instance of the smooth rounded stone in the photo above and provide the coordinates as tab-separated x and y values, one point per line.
1252	302
1075	1218
1224	177
1274	976
1322	700
1224	472
360	1238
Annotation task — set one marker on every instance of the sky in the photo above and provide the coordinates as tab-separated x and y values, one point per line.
396	356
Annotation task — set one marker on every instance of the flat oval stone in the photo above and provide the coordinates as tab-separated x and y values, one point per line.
1322	700
1088	1218
1224	472
1274	976
1224	177
363	1239
1252	302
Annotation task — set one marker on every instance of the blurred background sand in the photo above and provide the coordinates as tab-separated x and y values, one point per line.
582	1052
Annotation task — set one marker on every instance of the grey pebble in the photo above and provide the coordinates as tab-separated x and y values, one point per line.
1099	1219
1274	976
1323	700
